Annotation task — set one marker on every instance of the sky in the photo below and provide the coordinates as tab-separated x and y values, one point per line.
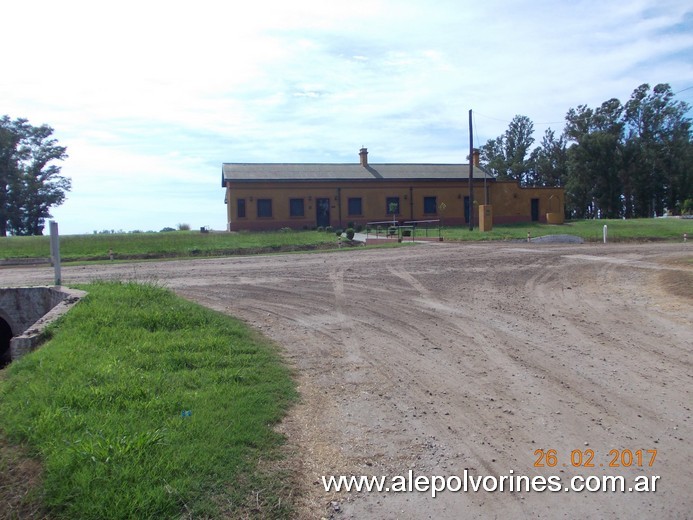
151	97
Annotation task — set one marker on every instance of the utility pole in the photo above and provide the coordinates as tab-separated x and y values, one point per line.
471	174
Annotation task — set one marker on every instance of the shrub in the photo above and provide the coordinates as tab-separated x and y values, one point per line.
183	227
406	232
350	233
359	228
321	229
329	229
688	207
339	232
350	224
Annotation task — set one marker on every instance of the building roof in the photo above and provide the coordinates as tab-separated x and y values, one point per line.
282	172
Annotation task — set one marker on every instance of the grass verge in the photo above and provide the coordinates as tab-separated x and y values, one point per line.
191	244
144	405
643	230
130	246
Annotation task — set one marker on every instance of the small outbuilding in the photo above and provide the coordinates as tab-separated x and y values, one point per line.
265	196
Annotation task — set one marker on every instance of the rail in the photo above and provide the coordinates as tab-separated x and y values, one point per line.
406	229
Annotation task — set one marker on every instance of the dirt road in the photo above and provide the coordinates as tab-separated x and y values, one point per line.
443	358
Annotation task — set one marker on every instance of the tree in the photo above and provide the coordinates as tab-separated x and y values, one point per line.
659	142
549	161
29	184
506	156
595	160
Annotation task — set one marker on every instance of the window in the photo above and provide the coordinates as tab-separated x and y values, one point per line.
430	206
240	208
264	208
392	205
296	208
355	207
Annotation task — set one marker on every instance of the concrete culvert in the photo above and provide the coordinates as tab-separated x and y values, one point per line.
5	337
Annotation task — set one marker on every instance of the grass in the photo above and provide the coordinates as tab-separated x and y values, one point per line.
163	245
144	405
182	244
670	229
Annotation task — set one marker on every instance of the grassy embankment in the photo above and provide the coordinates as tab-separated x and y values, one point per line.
144	405
165	245
669	229
182	244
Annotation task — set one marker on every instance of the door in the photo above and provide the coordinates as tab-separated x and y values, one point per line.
535	210
322	212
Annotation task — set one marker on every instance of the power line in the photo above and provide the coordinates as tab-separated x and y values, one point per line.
509	121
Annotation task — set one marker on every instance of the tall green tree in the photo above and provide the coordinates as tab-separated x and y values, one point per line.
507	156
595	160
549	161
30	184
659	144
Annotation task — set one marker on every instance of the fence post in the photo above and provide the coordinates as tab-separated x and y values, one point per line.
55	250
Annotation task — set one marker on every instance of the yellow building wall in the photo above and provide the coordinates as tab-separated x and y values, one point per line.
511	203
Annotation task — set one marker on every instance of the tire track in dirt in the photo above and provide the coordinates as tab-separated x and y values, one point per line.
453	356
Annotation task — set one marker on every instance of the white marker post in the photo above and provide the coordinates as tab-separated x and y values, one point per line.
604	232
55	250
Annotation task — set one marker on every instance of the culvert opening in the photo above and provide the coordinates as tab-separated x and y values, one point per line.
5	337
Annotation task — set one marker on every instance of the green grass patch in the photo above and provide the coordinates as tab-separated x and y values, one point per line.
187	244
165	245
671	229
144	405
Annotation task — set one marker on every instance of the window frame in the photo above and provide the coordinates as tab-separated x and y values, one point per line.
360	206
435	205
262	205
388	201
241	208
292	202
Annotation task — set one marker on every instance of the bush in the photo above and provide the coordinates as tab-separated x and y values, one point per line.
339	232
350	224
687	207
406	232
167	230
359	228
321	229
350	233
183	227
329	229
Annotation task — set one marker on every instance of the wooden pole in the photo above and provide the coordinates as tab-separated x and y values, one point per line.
471	173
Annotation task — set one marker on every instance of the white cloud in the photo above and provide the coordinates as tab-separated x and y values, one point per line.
151	97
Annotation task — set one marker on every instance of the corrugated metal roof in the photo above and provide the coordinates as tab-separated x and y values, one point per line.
334	172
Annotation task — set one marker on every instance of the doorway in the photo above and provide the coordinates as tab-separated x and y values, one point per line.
535	210
322	212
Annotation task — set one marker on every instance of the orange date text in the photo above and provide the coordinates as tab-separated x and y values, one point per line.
588	459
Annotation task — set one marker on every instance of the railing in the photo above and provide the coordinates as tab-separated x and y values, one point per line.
427	225
406	229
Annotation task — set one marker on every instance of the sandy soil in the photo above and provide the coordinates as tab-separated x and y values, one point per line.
445	357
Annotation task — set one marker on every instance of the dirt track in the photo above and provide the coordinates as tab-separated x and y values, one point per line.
444	357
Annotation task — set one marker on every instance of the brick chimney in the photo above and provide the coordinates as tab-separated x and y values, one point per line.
363	157
475	157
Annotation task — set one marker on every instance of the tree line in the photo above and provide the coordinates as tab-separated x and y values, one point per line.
30	184
616	160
